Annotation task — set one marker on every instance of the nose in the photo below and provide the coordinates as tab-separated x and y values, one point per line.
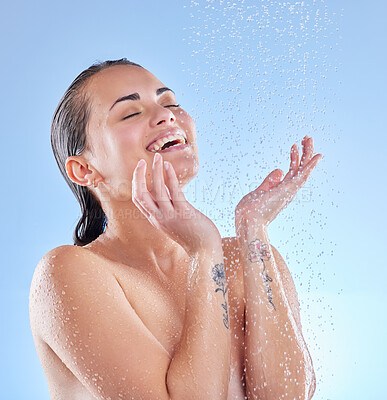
163	116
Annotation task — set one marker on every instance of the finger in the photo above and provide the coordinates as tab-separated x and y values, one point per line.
294	158
308	149
153	217
303	174
141	208
176	193
159	191
294	162
150	217
271	180
140	193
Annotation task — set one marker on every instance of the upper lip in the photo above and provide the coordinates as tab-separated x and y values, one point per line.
165	133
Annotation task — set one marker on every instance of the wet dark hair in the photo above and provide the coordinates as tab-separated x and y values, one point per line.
68	138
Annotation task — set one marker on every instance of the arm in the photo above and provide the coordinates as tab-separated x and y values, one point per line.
81	312
276	357
281	366
79	309
288	284
200	367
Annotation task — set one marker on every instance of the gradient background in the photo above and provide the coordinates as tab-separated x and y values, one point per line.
256	76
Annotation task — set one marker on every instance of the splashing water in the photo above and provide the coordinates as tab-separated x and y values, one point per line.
261	74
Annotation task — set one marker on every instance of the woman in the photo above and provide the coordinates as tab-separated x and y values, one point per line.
152	303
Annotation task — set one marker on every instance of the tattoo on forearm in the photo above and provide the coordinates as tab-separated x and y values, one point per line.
259	251
219	276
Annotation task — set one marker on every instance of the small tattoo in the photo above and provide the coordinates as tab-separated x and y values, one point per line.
259	251
219	276
266	279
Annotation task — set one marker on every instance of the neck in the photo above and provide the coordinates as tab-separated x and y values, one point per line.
130	235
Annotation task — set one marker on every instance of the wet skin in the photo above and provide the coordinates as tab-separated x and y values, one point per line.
146	232
131	243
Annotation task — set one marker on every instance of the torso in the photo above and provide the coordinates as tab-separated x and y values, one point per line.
160	305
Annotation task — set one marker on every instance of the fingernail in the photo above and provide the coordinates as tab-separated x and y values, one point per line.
157	157
166	166
141	162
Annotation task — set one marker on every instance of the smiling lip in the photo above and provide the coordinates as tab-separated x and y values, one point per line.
173	131
174	148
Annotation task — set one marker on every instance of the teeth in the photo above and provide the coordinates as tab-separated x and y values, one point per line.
160	143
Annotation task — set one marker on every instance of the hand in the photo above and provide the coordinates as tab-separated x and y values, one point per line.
167	209
262	205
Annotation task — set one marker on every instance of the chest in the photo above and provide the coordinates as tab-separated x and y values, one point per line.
161	307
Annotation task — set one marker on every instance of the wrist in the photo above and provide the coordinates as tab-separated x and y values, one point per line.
245	230
243	220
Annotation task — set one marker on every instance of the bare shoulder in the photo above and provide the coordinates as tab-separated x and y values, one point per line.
61	254
78	308
56	265
66	259
48	263
60	259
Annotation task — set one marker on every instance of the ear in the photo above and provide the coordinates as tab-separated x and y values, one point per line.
80	171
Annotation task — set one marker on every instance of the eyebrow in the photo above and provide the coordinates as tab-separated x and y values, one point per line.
136	96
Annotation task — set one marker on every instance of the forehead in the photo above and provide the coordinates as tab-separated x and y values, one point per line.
120	80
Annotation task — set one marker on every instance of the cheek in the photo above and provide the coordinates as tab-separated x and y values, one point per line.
117	153
187	123
123	141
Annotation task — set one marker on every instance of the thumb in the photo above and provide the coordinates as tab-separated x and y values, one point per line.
271	180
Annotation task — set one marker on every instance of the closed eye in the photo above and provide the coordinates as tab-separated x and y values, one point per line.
132	115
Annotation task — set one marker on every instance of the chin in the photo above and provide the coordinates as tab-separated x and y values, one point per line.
185	173
187	177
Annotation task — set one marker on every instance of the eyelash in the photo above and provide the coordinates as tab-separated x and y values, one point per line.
132	115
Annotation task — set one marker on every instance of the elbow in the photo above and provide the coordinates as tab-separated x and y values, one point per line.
309	381
311	384
311	377
303	389
304	385
308	376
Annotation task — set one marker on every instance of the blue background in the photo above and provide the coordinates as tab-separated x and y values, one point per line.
256	76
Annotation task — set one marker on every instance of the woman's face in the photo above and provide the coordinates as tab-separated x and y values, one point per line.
130	109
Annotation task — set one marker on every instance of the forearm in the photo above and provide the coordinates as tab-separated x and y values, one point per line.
277	361
200	366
